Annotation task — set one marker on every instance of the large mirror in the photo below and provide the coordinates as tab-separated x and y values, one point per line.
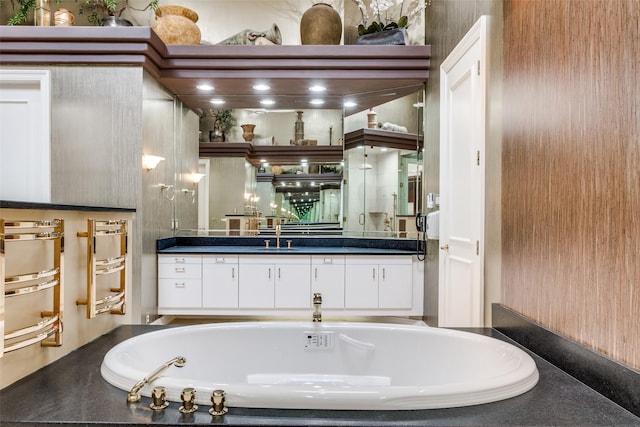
316	172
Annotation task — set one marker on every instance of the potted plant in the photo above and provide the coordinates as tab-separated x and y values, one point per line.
383	28
223	120
106	12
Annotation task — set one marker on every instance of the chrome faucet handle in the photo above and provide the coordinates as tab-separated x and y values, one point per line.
266	244
289	244
217	400
188	397
159	398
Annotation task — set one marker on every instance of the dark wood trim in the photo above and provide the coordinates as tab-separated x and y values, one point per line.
382	138
371	75
274	154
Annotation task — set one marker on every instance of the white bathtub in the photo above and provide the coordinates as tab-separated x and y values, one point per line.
300	365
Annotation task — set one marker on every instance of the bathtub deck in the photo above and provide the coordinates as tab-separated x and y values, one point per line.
71	391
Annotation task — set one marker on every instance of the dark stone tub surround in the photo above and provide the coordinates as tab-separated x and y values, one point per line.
606	376
71	391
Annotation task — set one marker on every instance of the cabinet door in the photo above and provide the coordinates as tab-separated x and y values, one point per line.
395	285
220	282
327	278
180	293
256	286
293	286
361	285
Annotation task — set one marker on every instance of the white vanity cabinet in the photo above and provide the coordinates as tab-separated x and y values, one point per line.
378	282
179	281
279	281
284	284
327	278
220	281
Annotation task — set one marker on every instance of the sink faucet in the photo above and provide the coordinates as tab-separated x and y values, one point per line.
278	230
317	305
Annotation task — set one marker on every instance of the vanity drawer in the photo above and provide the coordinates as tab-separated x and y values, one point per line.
180	259
180	271
180	293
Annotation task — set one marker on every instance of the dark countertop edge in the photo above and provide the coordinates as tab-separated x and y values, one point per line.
9	204
71	391
344	244
608	377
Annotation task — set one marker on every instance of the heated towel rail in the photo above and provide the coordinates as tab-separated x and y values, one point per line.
48	331
114	302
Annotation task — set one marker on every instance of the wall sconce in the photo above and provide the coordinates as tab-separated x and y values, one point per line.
150	162
196	177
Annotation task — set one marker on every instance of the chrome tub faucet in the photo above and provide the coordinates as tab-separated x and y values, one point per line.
317	307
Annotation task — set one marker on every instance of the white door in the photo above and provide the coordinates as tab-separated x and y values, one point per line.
462	139
25	110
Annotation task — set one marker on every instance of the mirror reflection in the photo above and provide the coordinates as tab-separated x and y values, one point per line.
320	171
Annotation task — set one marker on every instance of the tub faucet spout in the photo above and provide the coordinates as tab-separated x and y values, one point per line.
317	306
134	394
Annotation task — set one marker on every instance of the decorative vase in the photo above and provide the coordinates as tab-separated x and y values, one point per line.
177	25
299	128
63	18
42	15
217	135
371	119
320	24
247	132
396	36
114	21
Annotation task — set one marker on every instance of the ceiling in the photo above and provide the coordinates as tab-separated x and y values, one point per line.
365	75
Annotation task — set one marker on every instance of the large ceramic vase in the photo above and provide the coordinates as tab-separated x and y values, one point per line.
321	24
247	132
177	25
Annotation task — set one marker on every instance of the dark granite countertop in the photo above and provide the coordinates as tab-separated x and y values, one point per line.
255	245
9	204
272	250
71	391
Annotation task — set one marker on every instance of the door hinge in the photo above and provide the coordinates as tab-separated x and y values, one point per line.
478	157
477	247
478	67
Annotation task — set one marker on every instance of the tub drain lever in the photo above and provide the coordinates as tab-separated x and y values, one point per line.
134	394
217	399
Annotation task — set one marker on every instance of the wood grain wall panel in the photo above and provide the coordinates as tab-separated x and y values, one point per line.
571	162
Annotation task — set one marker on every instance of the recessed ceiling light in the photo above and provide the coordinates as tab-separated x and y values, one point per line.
263	160
217	101
317	88
261	87
267	102
205	87
349	104
317	101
